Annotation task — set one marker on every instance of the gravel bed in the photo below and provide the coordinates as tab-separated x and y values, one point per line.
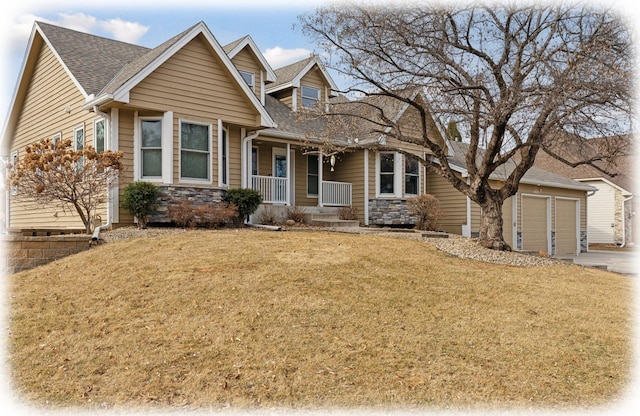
454	245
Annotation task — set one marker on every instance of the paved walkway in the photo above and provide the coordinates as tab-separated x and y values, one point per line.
625	262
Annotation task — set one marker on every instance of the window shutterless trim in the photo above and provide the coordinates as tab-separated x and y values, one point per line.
187	179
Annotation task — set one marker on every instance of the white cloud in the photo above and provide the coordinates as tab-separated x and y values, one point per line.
77	21
122	30
279	57
114	28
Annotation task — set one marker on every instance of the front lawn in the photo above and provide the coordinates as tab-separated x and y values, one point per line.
255	319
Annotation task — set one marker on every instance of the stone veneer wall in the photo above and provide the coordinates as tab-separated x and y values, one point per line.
389	212
23	253
174	194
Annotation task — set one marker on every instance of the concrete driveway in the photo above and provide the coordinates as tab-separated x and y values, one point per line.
625	262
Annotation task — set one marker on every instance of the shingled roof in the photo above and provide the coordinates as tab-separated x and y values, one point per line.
623	170
534	175
92	60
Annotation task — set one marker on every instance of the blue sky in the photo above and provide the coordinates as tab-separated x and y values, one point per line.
270	24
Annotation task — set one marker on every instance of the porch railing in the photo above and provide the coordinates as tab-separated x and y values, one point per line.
337	194
272	189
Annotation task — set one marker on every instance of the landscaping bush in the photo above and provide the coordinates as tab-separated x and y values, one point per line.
214	215
245	199
141	200
268	216
295	213
426	210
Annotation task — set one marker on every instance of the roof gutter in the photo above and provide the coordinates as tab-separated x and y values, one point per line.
94	102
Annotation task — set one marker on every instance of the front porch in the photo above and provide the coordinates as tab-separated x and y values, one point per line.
289	174
275	190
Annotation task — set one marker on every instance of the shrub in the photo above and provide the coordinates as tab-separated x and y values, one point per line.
214	215
141	200
268	216
426	209
295	213
245	199
348	213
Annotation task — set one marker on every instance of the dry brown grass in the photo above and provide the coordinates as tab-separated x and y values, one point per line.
255	319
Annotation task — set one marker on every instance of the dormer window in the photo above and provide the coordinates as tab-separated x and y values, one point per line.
249	78
310	96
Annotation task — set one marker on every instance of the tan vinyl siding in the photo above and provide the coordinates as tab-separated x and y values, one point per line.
349	168
265	160
52	104
314	79
285	96
125	144
452	200
372	175
245	60
302	198
235	148
195	82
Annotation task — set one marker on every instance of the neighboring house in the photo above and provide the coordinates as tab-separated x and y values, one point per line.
611	209
197	118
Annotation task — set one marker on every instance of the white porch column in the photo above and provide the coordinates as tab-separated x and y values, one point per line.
288	159
320	179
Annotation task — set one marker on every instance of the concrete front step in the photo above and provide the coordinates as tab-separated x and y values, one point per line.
335	223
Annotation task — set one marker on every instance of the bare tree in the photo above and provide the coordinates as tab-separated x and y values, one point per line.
53	173
513	80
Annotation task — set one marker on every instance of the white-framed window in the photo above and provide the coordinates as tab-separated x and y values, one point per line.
312	175
411	175
57	138
254	160
386	173
195	151
223	155
249	78
310	96
151	147
78	143
99	135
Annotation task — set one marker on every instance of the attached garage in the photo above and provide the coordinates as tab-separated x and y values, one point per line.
567	226
548	214
536	227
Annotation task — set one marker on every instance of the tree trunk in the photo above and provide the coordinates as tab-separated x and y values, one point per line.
491	225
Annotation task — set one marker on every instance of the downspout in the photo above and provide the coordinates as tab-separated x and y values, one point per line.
245	161
244	158
96	231
589	193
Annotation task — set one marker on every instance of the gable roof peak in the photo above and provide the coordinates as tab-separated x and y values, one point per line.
233	48
290	75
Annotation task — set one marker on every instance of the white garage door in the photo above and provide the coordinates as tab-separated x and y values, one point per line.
535	224
566	227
